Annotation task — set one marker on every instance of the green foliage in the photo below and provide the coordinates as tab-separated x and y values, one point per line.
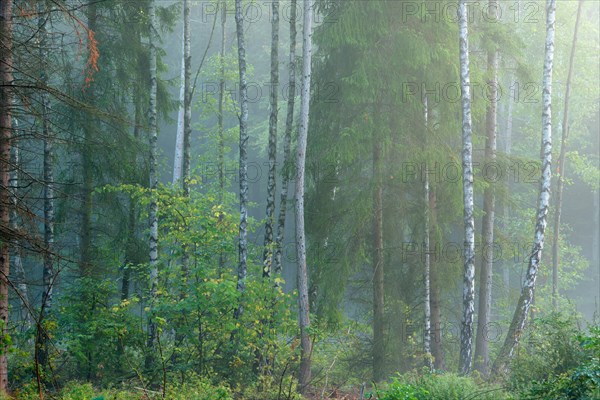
549	348
581	382
402	391
439	387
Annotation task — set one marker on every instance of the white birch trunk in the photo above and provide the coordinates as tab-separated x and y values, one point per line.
178	160
466	335
271	183
153	212
426	272
520	316
304	375
243	166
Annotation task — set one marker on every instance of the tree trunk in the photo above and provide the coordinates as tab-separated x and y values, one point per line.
426	249
561	165
466	334
520	316
187	103
131	224
221	144
243	117
287	140
221	150
489	208
508	151
271	183
187	122
87	169
48	270
153	181
378	265
437	350
17	262
6	81
178	160
304	375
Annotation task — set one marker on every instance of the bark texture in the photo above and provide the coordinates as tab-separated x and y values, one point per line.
466	333
6	81
271	182
243	118
517	325
153	182
304	373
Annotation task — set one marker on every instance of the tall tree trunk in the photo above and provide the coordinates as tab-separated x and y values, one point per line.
304	375
437	350
271	183
131	223
6	81
48	270
508	151
520	316
466	334
87	169
427	266
178	159
378	263
153	181
187	103
187	121
489	208
17	262
243	117
221	143
287	140
561	165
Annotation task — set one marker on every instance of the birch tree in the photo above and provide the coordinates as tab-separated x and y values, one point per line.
426	249
6	81
243	163
287	140
304	373
466	334
517	325
271	183
489	209
561	164
178	159
153	181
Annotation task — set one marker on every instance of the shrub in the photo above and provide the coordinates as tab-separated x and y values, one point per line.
439	387
579	383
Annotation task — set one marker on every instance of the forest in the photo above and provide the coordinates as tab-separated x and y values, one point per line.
299	199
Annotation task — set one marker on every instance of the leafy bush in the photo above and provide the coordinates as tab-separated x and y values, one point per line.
439	387
402	391
579	383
